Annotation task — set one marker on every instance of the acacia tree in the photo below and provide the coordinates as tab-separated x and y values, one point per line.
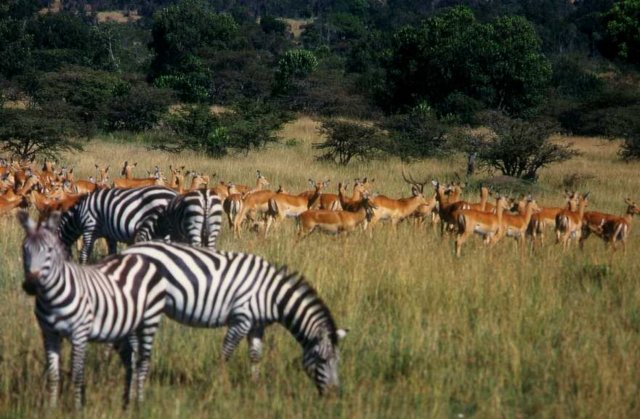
26	134
520	148
346	141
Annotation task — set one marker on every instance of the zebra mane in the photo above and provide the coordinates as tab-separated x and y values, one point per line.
296	281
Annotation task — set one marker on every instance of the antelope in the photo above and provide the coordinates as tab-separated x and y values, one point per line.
155	179
127	170
232	204
336	221
547	216
359	189
485	224
446	208
610	228
326	201
284	205
516	225
6	206
569	223
398	209
198	181
177	178
83	187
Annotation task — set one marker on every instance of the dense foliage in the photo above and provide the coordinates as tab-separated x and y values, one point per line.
384	61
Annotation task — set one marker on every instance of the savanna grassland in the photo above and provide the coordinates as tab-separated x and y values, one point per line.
487	335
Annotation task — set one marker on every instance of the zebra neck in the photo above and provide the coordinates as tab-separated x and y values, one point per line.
56	282
301	311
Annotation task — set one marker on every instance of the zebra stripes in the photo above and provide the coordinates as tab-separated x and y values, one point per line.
115	214
119	300
246	293
193	218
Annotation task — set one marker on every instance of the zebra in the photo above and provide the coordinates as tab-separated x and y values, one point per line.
119	300
193	218
115	214
246	293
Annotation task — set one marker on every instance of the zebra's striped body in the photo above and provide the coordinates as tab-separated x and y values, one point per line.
118	300
115	214
246	293
193	218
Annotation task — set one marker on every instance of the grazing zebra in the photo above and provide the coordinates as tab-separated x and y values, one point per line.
246	293
115	214
118	300
193	218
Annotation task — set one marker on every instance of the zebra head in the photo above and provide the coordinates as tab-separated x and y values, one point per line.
321	358
41	250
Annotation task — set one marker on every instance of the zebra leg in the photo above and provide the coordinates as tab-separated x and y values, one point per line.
52	350
88	239
127	351
145	343
78	353
238	329
254	339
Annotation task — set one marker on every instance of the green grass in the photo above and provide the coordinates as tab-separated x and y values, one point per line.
487	335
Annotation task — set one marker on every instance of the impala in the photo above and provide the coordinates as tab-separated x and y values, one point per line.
349	204
516	225
547	216
485	224
446	198
569	223
336	221
284	205
398	209
176	181
155	179
326	201
233	203
610	228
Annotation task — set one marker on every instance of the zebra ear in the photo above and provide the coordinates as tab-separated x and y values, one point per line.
52	222
26	221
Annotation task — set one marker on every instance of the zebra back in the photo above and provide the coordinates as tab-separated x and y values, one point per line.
193	218
245	292
115	214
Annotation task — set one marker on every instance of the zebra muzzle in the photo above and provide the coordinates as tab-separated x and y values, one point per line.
31	282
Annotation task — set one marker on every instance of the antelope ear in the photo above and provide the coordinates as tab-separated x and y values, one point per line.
258	173
28	223
434	183
107	169
96	166
311	182
628	201
342	333
585	196
135	164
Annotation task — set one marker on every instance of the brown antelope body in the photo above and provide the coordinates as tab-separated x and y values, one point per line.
569	223
610	228
485	224
336	221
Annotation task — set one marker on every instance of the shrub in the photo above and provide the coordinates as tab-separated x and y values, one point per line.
137	110
346	141
520	148
26	134
417	134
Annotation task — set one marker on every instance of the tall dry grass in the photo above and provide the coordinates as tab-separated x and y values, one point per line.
487	335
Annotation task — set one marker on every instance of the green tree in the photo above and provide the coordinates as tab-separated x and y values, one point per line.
183	36
521	148
499	64
622	25
294	65
345	141
15	41
26	134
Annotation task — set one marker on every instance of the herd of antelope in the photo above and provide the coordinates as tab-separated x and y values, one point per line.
47	189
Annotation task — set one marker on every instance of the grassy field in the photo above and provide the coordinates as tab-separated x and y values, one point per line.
485	335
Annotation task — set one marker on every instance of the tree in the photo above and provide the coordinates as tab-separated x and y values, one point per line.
184	35
140	108
346	141
247	126
499	64
417	134
622	39
26	134
520	148
295	64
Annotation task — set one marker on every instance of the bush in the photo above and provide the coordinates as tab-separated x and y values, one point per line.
418	134
346	141
137	110
247	126
26	134
520	148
